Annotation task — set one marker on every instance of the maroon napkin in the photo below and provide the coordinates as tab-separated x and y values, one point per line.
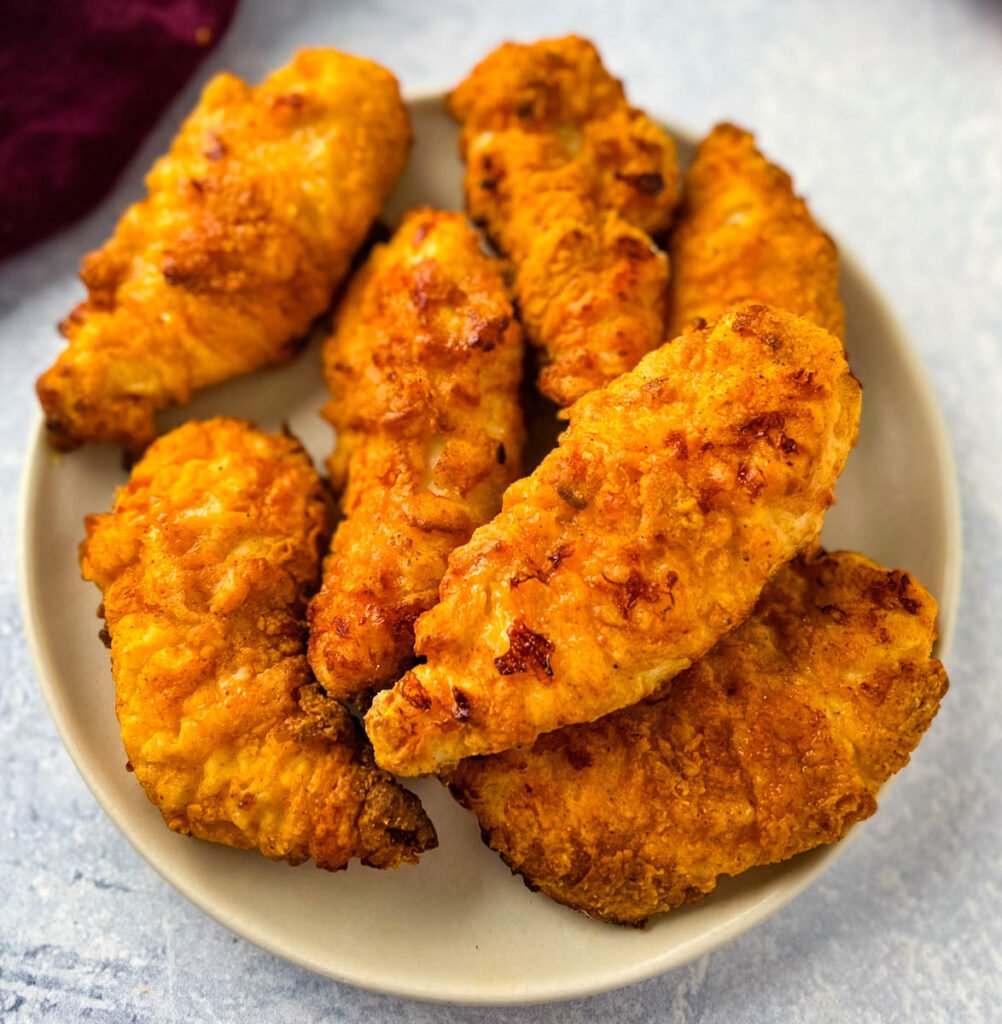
81	83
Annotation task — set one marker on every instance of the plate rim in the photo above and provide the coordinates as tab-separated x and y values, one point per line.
35	459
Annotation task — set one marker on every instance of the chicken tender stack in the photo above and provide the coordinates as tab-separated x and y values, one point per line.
776	742
675	493
205	564
424	367
570	182
635	666
743	235
251	221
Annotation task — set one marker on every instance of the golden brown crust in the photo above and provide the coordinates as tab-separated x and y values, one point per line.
675	493
775	742
570	181
424	367
743	235
251	221
206	563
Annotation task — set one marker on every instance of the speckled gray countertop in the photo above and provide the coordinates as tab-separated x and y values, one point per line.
890	114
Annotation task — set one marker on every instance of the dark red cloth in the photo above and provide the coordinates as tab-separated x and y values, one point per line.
81	83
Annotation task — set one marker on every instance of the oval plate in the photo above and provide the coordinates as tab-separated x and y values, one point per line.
458	927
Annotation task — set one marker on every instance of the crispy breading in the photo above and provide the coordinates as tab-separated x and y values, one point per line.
570	181
251	221
206	563
674	494
775	742
424	366
743	235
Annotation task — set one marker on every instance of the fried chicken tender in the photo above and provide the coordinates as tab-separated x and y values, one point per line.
674	495
206	563
743	235
251	221
424	366
775	742
570	182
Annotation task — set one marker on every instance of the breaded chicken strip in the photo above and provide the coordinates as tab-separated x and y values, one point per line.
424	366
206	563
743	235
674	494
570	181
776	742
250	223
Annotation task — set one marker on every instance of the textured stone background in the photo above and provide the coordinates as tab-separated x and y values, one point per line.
890	113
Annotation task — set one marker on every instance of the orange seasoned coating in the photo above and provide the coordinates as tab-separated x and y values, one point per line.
206	562
775	742
570	182
674	495
424	366
743	235
250	222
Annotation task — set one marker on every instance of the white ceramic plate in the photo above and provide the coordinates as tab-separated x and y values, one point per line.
458	927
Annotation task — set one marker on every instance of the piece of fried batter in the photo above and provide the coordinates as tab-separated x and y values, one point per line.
424	366
570	182
674	494
776	742
206	563
251	221
743	235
